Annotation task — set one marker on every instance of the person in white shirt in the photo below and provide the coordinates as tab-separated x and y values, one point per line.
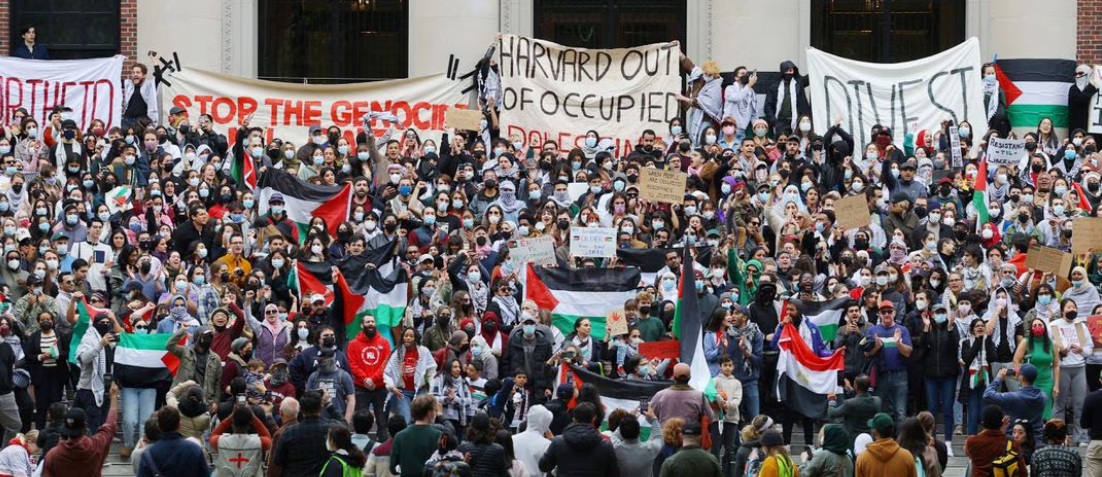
99	256
1075	344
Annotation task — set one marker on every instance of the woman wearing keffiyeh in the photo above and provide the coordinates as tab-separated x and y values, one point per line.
975	351
706	99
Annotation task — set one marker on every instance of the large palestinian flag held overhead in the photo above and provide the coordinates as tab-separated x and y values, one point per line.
303	200
1035	89
626	394
382	296
827	315
580	293
804	378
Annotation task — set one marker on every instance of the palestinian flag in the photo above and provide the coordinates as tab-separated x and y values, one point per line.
826	315
244	170
84	312
979	196
805	378
118	199
651	260
309	278
142	359
615	393
1035	89
979	377
1083	203
383	296
573	294
688	327
303	201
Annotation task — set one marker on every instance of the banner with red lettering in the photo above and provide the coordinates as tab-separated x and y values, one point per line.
287	110
558	93
92	88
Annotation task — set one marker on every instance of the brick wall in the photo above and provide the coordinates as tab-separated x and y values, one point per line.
1089	32
128	30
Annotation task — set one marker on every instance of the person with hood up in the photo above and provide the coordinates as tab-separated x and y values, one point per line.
197	363
1080	97
178	317
833	459
530	445
636	457
581	450
785	104
884	457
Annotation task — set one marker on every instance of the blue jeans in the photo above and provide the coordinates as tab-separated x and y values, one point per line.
401	406
892	389
137	406
751	402
975	409
939	396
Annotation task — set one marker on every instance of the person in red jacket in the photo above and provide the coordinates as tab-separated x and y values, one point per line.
367	356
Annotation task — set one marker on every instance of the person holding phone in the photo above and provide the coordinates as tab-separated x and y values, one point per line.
92	357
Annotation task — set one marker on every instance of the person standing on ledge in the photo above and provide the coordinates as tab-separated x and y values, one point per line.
29	50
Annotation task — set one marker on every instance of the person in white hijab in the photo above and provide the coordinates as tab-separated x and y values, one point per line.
1081	97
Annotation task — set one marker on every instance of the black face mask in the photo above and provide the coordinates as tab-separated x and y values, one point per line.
491	326
480	240
466	346
443	321
644	310
632	178
1070	315
225	276
1036	168
491	184
920	211
205	340
390	227
102	328
226	198
960	234
563	224
545	166
1014	197
684	147
1093	187
1023	218
46	325
329	341
1031	146
861	244
162	138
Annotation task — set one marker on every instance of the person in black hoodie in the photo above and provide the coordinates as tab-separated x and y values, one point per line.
764	313
486	457
559	408
939	342
581	451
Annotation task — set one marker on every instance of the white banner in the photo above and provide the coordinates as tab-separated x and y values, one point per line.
593	241
92	88
922	92
1004	151
287	110
535	250
555	92
1094	115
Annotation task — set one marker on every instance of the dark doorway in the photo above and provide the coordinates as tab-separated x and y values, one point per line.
333	41
886	31
69	29
610	23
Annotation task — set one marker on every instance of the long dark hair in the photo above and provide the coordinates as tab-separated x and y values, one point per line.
588	393
912	436
1045	340
341	436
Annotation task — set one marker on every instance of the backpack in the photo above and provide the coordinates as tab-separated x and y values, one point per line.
346	470
1007	463
753	463
450	468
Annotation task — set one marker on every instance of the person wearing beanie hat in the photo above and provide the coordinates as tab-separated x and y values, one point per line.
777	462
1027	402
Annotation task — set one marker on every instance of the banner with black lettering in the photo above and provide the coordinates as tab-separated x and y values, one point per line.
555	92
92	88
919	93
287	110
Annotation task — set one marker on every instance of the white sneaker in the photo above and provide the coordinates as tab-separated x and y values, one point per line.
949	450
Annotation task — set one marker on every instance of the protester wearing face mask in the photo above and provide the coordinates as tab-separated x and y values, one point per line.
34	303
528	349
197	363
1040	350
92	357
1072	339
47	359
938	342
1003	327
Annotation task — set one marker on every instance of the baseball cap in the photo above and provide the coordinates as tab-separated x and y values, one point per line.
74	425
317	297
277	362
526	318
887	304
910	164
176	110
692	428
69	123
424	258
564	391
881	423
1028	372
276	197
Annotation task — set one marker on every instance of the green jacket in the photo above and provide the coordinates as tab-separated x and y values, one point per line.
691	460
212	378
856	412
27	312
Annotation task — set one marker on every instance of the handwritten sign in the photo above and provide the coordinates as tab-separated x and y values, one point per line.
616	323
1004	151
1049	260
1087	234
658	185
463	119
536	250
593	241
954	147
1094	324
852	212
661	349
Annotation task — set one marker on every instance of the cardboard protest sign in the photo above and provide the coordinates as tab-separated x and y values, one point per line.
661	349
463	119
852	212
954	147
593	241
1086	234
535	250
616	323
1049	260
91	88
557	92
923	92
661	185
287	110
1004	151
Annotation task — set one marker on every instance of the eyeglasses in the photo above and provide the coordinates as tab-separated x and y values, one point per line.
888	311
271	312
141	327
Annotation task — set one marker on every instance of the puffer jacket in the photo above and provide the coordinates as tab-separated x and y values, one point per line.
941	346
580	452
486	460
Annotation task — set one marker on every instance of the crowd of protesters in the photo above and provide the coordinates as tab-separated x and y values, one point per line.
943	315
